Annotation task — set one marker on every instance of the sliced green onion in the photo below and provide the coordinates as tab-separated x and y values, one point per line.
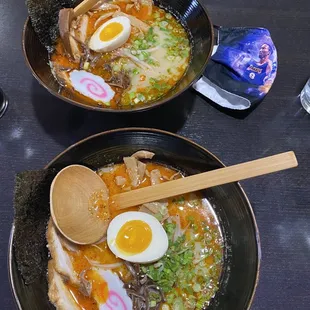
152	303
151	30
178	304
200	303
159	217
191	302
170	298
141	97
151	62
132	95
116	68
163	29
163	24
165	307
135	71
141	56
196	287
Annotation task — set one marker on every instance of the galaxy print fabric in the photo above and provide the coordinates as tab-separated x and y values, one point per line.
242	68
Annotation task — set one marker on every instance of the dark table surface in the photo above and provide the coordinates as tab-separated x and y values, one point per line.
37	127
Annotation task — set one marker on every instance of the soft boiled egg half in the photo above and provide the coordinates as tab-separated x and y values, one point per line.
137	237
111	35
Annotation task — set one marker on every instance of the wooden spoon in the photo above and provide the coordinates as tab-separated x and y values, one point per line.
71	201
73	186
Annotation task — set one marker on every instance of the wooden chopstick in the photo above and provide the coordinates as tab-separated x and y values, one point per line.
205	180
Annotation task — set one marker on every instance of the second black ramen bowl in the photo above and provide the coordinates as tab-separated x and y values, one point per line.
191	13
241	238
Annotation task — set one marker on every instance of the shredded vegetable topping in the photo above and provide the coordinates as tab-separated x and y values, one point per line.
184	273
153	59
186	277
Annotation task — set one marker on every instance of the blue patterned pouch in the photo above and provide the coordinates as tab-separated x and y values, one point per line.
242	68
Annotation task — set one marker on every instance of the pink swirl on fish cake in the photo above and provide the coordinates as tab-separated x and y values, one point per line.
94	88
115	302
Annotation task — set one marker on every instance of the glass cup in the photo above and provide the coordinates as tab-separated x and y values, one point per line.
305	97
3	103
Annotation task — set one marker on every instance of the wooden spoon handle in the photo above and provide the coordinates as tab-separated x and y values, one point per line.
84	7
205	180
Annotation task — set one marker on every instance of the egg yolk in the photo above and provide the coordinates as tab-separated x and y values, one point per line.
134	237
110	31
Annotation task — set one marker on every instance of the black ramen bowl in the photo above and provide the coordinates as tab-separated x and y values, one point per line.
241	238
193	16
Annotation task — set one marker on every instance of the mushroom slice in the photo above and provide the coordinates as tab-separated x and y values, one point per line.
143	154
135	169
75	51
132	170
120	181
141	170
155	176
81	27
157	208
85	286
64	21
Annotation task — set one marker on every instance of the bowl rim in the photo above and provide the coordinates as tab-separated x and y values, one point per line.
109	110
162	132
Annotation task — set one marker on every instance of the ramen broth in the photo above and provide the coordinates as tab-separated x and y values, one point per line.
188	274
143	69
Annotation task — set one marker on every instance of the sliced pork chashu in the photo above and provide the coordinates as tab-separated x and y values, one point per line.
58	293
63	264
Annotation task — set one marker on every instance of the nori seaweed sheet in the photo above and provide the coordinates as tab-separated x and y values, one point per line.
32	212
44	18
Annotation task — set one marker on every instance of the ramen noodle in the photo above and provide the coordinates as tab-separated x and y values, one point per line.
185	277
121	54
